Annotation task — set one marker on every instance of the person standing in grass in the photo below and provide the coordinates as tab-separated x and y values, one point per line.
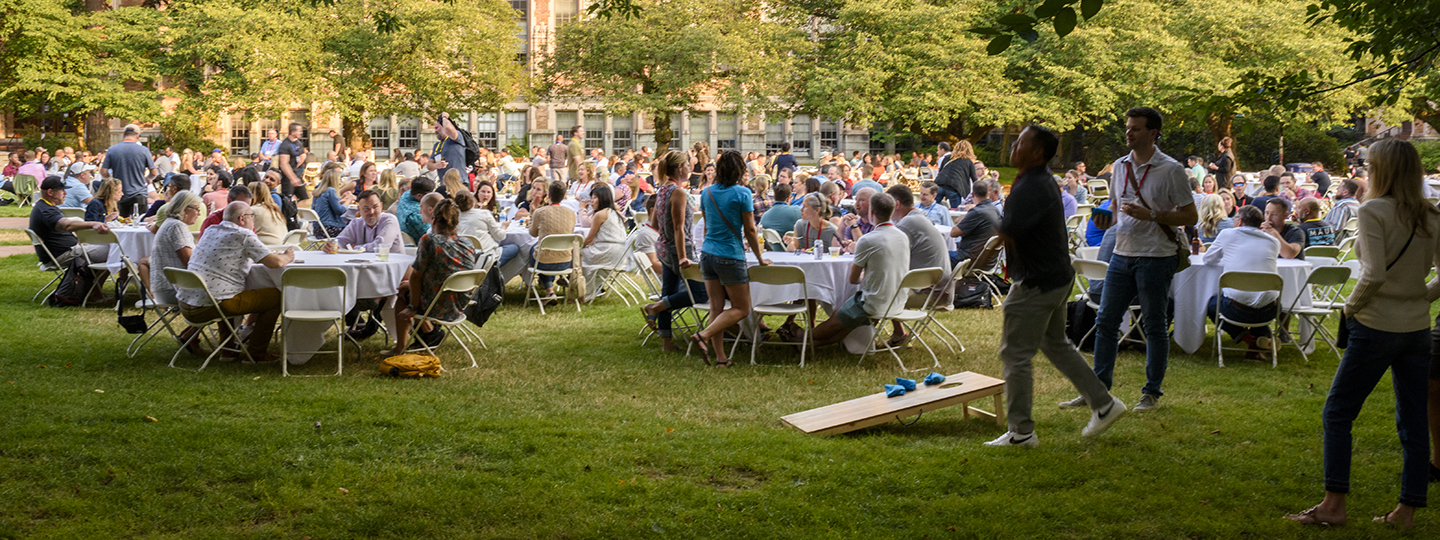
1389	325
1154	196
673	219
1035	238
730	206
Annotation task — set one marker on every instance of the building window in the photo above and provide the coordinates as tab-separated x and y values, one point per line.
487	127
566	121
594	130
566	11
516	125
239	135
267	124
409	133
380	134
677	131
522	30
622	134
800	127
302	118
829	135
774	136
725	131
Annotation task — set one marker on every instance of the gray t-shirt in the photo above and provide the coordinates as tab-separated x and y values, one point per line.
173	235
453	152
927	245
1166	187
884	253
128	162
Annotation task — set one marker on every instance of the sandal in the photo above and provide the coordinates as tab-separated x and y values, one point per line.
1385	520
704	348
894	342
1309	517
724	364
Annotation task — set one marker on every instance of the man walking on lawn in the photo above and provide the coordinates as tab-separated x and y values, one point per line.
1034	235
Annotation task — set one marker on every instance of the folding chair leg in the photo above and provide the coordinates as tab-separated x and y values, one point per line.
46	287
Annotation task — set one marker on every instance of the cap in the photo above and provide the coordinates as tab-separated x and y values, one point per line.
217	150
52	182
81	167
132	128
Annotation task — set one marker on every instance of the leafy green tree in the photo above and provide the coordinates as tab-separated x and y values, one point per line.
672	55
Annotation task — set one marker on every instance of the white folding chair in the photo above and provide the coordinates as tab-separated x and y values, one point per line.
989	265
1348	230
91	237
610	276
1099	190
932	305
1089	253
782	275
1083	210
75	213
1326	284
460	283
555	242
1248	282
406	239
1074	230
919	278
700	311
185	279
51	266
314	279
1087	271
651	291
313	223
1327	252
296	237
1345	246
773	239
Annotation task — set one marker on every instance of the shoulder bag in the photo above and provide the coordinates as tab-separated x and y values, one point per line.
1182	250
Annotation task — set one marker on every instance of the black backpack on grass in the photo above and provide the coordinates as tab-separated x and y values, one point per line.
74	286
488	297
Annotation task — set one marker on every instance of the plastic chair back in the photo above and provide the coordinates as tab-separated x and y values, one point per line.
36	241
95	238
692	273
1092	270
777	274
76	213
464	281
1330	252
25	185
921	278
308	214
406	239
1252	281
1329	276
1083	210
1074	221
312	278
772	237
295	237
1089	253
559	242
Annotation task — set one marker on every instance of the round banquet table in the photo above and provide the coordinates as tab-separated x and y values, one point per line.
365	277
519	235
1196	285
136	240
827	280
949	240
506	201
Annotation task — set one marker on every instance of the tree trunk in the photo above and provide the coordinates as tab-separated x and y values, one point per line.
95	131
663	133
1005	145
354	133
1220	123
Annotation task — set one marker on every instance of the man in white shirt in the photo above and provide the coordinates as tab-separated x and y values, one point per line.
927	250
882	258
222	258
374	229
1154	195
509	171
1245	248
165	164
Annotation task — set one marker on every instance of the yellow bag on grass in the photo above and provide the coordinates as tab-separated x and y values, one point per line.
411	366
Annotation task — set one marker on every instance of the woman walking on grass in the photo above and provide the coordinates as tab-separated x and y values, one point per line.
673	218
1389	312
730	209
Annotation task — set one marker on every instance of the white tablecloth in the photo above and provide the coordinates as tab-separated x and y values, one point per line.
949	240
365	277
827	281
519	235
506	201
137	243
1196	285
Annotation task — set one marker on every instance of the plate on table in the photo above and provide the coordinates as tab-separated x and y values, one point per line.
349	251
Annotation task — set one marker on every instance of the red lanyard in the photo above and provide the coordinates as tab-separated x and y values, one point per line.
1130	174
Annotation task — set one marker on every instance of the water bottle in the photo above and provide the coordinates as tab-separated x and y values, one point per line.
819	249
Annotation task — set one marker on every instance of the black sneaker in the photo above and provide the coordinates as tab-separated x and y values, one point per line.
364	331
432	339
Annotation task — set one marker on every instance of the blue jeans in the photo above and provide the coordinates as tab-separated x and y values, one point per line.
507	252
1371	353
1149	277
545	281
951	197
674	297
1238	312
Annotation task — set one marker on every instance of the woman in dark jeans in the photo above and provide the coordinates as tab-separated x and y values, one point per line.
676	250
1399	242
731	211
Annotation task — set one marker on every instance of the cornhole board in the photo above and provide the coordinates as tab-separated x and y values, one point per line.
876	409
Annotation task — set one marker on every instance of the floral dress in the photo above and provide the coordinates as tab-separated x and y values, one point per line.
667	246
437	258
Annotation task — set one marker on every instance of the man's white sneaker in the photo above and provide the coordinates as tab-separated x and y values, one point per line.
1076	403
1100	420
1147	402
1015	439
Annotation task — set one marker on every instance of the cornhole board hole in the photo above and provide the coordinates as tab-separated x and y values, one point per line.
876	409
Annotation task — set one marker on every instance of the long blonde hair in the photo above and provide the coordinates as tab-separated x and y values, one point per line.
1395	171
387	180
107	189
1212	210
260	196
963	149
331	178
453	184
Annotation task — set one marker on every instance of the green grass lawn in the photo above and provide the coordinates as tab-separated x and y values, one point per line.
571	429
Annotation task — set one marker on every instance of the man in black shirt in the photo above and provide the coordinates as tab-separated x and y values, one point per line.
1320	177
978	225
292	156
56	232
1034	233
1292	239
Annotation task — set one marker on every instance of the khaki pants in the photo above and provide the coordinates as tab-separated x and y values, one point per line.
265	302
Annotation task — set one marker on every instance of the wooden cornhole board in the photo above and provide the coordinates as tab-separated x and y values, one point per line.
875	409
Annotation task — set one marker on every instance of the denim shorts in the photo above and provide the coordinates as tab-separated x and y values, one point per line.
728	271
852	313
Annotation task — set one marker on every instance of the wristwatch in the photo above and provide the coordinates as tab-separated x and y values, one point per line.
1153	215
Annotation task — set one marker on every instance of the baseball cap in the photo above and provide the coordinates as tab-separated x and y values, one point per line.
52	182
81	167
217	151
132	128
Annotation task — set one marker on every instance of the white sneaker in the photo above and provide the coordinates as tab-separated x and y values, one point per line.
1147	402
243	332
1101	420
1076	403
1013	439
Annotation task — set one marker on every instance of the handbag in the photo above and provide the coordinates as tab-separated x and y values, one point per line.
1342	336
